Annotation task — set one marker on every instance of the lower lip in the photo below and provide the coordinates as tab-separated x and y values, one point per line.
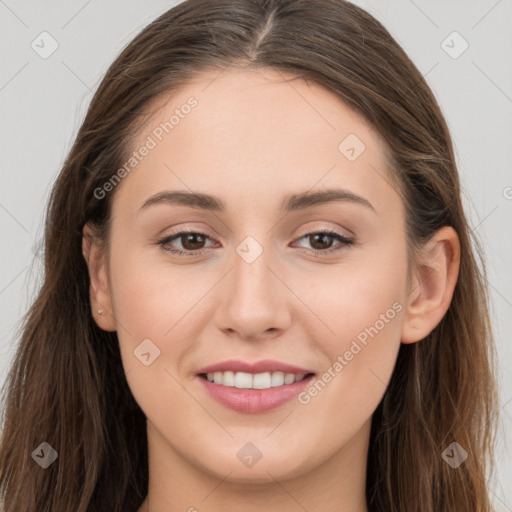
253	401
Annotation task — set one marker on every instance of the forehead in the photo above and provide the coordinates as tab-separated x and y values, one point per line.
256	134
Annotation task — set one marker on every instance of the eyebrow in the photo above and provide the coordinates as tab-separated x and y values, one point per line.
291	202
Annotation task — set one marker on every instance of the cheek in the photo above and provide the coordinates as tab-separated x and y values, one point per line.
148	303
151	303
361	310
362	351
354	299
150	296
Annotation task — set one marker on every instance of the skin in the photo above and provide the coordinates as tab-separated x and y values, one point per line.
252	139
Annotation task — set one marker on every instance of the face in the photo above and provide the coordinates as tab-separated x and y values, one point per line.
303	285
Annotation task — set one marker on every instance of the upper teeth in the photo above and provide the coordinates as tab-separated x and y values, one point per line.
253	381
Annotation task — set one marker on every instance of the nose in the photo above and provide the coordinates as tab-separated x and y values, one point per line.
253	300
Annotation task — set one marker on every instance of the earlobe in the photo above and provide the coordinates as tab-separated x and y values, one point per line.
432	287
99	292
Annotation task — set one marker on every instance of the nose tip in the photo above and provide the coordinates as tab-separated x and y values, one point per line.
253	301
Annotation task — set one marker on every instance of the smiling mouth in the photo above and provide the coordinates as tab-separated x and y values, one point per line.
257	381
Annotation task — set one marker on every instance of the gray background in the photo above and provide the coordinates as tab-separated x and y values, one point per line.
43	102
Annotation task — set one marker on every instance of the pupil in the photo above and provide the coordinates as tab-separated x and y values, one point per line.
321	235
190	237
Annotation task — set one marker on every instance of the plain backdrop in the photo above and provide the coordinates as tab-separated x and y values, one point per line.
464	49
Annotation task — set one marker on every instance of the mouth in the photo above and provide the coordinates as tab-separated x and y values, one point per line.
245	380
253	388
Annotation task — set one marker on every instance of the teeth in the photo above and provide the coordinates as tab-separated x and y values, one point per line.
261	380
228	378
243	380
277	379
289	378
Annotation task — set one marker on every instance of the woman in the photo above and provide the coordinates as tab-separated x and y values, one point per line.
261	289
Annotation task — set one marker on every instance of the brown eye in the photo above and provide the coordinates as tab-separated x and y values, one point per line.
322	241
192	241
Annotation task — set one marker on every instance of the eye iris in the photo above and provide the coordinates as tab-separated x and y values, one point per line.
185	239
320	236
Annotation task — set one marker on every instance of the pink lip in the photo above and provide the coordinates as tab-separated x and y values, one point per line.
267	365
253	401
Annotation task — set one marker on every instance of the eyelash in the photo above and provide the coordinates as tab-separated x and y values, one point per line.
337	236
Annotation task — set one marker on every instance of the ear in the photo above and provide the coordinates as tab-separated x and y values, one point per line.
431	288
99	292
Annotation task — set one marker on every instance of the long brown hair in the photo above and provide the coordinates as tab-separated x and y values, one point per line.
67	386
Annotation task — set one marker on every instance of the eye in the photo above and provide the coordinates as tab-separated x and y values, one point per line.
193	242
323	239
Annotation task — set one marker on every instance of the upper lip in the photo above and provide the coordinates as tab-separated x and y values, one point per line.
267	365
